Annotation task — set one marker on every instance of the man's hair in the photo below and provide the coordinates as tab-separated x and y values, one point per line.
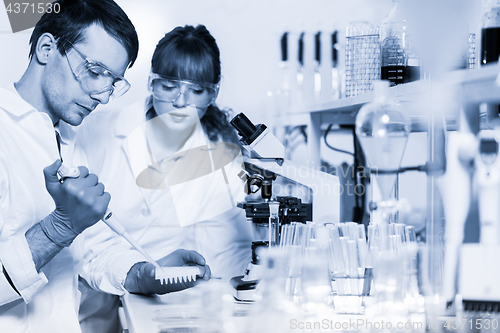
68	25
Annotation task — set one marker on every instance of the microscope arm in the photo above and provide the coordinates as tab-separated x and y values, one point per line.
325	187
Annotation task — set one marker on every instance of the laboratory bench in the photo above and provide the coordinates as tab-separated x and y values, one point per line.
187	311
176	313
183	311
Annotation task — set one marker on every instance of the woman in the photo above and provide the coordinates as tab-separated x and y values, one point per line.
171	168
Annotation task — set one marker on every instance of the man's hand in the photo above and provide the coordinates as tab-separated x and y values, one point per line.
80	203
141	277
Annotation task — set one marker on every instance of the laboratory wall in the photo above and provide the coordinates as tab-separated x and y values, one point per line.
248	34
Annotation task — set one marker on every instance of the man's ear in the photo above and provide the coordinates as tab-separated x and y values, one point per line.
45	44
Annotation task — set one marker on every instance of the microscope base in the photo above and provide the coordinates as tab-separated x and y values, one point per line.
243	290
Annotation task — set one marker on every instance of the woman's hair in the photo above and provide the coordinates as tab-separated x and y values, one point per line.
191	53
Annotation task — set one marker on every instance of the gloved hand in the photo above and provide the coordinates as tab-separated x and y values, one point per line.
141	277
80	203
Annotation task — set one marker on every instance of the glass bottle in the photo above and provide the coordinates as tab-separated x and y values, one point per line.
399	63
490	31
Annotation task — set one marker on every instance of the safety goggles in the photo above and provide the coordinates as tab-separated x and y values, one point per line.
94	77
168	89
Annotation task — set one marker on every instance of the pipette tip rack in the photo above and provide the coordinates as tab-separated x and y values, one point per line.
169	275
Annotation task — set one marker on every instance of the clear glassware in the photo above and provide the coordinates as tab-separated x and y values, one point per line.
472	51
362	58
316	290
393	250
271	301
490	31
399	62
274	223
383	129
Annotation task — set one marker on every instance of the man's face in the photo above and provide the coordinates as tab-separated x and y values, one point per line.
62	94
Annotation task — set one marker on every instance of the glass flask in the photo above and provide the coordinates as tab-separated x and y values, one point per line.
382	129
273	309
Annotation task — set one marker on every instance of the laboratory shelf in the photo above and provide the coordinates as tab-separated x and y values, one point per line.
476	86
470	88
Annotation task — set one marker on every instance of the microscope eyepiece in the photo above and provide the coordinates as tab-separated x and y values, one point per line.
243	125
246	130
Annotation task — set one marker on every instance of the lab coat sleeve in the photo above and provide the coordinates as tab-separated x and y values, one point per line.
107	259
226	241
15	254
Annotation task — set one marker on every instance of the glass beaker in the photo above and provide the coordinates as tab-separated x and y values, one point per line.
399	63
362	58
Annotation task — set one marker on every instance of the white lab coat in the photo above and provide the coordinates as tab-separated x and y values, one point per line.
114	146
50	298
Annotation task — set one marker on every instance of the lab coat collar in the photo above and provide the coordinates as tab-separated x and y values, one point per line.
14	104
66	132
127	123
131	127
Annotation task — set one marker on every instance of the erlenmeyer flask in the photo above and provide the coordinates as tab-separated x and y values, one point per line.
271	302
383	128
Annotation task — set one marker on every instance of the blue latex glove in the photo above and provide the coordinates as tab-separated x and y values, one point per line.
141	277
80	203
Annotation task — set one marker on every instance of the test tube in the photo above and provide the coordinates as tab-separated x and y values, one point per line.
336	251
295	263
399	230
345	255
373	244
274	207
340	265
363	253
410	234
285	234
353	266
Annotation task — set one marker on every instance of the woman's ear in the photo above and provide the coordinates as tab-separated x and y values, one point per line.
45	44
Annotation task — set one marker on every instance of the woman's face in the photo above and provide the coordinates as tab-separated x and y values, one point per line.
178	116
182	103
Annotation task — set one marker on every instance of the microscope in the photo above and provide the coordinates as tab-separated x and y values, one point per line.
265	164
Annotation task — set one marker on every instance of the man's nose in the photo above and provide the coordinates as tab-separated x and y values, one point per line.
103	97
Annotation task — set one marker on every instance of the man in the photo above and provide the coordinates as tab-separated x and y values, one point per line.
78	58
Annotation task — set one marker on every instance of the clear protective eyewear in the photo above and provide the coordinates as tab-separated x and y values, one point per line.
95	78
168	89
